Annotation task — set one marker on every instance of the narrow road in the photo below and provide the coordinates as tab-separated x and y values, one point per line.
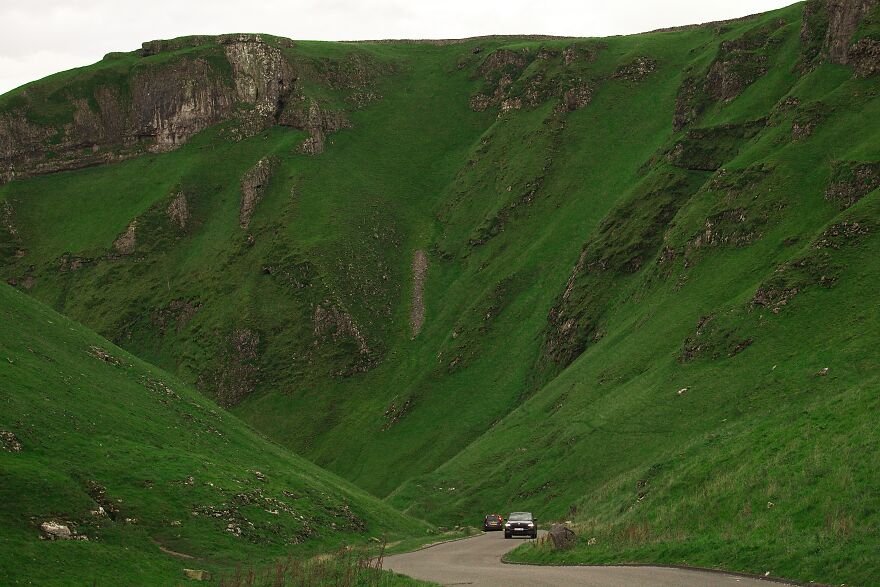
477	561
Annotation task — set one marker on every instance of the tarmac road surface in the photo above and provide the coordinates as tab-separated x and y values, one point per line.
477	561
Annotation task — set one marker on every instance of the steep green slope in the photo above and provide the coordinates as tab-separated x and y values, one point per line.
604	222
152	476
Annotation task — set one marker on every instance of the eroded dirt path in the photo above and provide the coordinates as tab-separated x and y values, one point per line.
477	561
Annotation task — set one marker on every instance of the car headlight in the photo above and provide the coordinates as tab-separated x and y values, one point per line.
507	525
531	524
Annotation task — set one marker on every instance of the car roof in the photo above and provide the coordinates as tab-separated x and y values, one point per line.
520	513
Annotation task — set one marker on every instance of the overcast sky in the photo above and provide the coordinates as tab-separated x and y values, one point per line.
39	37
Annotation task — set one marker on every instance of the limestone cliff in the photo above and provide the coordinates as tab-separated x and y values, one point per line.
156	98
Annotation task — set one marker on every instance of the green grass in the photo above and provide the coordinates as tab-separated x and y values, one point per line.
166	458
478	412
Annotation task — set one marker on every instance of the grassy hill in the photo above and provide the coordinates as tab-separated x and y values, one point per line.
154	477
596	278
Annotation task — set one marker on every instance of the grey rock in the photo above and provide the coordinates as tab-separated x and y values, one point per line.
562	537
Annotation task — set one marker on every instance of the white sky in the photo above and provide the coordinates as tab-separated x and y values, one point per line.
39	37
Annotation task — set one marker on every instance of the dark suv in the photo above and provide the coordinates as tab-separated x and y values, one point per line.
521	524
493	522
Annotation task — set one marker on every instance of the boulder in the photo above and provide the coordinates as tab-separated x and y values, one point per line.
197	574
55	531
562	537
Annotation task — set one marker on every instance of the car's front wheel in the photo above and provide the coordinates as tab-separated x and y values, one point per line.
506	535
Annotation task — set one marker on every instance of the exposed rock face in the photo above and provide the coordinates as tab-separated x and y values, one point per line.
562	537
844	17
19	140
417	313
497	69
501	59
261	74
253	186
728	78
827	33
173	103
687	103
738	64
317	122
178	210
126	242
163	103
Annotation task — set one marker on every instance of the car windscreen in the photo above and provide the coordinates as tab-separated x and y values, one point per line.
516	517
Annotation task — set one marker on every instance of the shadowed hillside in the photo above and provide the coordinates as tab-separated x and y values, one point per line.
147	475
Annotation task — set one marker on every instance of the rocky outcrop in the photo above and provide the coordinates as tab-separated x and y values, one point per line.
126	242
851	181
417	313
738	64
395	413
498	70
253	186
197	574
9	442
178	211
172	103
844	17
636	70
262	77
827	31
317	122
20	141
158	105
793	277
864	56
688	102
333	324
52	530
577	97
528	78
